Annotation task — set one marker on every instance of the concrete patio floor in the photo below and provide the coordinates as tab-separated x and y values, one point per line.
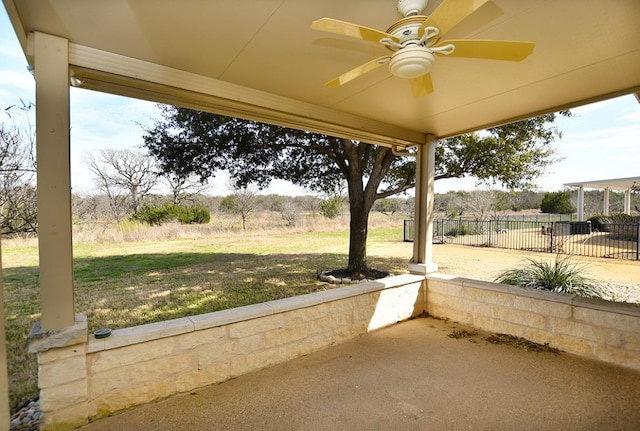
411	376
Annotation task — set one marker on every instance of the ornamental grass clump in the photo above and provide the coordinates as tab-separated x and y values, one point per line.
560	276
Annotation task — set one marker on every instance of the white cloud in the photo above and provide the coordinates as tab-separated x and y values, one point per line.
592	107
619	137
16	86
634	115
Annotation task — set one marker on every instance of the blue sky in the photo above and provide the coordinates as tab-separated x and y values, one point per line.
599	141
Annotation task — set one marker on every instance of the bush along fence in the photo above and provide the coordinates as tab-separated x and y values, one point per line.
619	241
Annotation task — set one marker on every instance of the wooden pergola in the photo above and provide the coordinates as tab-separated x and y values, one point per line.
627	185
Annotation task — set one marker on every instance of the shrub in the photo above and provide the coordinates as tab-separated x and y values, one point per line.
561	276
624	227
194	215
458	230
557	203
621	226
331	208
157	215
229	204
599	223
386	206
624	219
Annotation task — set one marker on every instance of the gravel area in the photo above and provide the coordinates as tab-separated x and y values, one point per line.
620	292
618	279
27	418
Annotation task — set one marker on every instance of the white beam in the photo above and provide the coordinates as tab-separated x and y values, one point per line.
54	181
605	209
118	74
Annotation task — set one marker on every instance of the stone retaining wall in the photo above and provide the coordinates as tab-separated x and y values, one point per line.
82	378
591	328
89	378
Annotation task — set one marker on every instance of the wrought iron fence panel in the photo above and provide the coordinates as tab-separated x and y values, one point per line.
618	241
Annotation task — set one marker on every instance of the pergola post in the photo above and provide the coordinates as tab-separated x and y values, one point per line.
54	180
627	201
422	260
580	203
605	209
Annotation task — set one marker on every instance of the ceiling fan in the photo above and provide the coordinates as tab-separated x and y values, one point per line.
415	40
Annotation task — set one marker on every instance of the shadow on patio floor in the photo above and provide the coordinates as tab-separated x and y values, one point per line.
411	376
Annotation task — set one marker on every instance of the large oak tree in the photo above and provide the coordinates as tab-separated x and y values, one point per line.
191	142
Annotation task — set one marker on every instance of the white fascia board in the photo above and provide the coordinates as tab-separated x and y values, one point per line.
108	72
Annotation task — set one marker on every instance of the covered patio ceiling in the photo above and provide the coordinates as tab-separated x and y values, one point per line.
262	60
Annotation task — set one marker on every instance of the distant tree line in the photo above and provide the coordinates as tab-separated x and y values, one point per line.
127	183
475	204
17	172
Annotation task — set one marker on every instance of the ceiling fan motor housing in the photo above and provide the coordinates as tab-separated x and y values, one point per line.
411	62
411	7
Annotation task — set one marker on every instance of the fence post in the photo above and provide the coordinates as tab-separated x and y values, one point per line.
553	229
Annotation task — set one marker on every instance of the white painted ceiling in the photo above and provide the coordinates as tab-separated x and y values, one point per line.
260	59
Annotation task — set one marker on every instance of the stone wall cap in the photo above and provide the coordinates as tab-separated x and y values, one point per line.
40	340
630	309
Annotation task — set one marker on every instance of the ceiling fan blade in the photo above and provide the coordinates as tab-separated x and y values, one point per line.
358	71
422	85
352	30
491	49
449	14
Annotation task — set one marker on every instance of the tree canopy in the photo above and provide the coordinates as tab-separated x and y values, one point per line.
187	142
557	203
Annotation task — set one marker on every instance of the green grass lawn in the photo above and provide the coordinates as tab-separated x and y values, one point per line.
127	284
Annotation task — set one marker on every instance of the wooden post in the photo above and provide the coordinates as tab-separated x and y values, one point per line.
54	180
422	260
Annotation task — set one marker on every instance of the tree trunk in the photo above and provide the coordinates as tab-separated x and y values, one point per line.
361	199
358	229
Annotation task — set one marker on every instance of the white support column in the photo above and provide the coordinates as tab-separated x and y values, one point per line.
627	201
580	203
422	261
605	208
5	416
54	180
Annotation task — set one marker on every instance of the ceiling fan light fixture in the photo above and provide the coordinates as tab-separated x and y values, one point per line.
411	62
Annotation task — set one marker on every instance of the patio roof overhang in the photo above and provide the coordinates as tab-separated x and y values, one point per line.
261	60
629	183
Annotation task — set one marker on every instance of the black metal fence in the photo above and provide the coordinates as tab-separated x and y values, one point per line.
619	241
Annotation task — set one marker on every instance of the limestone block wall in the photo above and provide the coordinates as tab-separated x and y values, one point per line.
81	377
587	327
140	364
